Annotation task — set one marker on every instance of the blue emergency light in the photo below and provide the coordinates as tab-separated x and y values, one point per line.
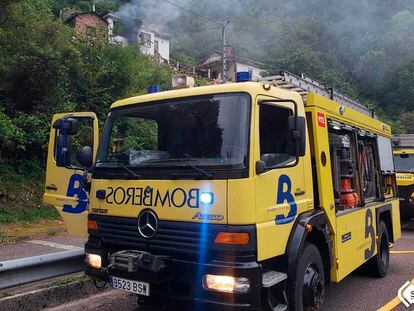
207	197
154	89
243	76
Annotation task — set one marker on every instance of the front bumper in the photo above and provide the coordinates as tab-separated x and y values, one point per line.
183	282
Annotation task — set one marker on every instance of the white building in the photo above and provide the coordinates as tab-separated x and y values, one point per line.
152	42
116	39
155	43
211	65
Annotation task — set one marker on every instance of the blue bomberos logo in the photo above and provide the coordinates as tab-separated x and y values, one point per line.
75	189
282	196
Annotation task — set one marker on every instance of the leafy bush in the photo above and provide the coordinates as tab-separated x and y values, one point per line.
46	68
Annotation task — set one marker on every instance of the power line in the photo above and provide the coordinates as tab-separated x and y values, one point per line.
194	13
223	34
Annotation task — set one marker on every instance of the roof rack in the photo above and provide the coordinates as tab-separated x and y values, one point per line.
304	85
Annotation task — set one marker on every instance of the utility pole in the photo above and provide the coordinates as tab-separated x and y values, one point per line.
223	33
224	61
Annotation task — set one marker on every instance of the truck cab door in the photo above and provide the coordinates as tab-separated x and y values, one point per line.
64	182
283	190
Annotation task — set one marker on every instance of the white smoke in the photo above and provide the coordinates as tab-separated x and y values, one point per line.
153	13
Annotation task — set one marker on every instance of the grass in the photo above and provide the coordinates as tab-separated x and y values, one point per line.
38	229
28	214
63	281
21	193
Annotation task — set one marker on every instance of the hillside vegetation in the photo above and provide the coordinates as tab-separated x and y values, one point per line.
45	69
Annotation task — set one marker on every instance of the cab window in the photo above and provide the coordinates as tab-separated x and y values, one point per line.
274	136
404	162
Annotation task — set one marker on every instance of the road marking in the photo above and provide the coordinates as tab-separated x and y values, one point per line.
54	245
393	303
402	252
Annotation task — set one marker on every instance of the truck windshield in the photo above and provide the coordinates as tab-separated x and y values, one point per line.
404	162
209	131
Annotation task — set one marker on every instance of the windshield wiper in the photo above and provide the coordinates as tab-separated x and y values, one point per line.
119	164
200	170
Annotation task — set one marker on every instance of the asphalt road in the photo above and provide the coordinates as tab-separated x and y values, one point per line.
361	292
39	247
356	292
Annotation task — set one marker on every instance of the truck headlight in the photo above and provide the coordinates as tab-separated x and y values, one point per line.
94	260
228	284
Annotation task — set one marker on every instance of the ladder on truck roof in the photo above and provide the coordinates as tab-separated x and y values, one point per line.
304	85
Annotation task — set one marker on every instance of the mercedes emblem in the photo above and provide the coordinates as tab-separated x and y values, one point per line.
147	224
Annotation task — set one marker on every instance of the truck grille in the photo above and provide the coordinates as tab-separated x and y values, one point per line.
172	238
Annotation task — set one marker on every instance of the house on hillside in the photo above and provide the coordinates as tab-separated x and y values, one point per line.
211	65
132	31
155	43
123	32
87	23
114	33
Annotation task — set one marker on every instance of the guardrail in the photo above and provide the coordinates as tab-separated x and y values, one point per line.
31	269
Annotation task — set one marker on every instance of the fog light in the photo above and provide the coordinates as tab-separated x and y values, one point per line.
94	260
228	284
206	198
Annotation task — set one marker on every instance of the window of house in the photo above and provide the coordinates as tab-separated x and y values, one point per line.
90	31
145	39
156	46
274	136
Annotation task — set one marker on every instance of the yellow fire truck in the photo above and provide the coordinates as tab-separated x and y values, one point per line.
252	195
404	167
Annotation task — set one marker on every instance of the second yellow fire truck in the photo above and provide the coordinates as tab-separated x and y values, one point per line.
404	167
252	195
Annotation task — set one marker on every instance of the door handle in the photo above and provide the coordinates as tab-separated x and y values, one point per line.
51	188
300	192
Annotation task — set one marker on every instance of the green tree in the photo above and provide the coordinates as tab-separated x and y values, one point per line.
407	122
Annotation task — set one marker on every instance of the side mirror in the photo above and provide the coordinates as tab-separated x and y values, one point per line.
260	167
63	150
85	157
297	130
66	127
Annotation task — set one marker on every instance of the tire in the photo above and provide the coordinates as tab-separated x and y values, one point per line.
307	290
378	265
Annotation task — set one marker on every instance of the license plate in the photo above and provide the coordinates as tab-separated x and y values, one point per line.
136	287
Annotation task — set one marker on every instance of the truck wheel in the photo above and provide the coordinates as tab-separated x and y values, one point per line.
378	265
307	291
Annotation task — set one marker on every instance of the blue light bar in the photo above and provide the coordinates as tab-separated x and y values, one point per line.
154	89
243	76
